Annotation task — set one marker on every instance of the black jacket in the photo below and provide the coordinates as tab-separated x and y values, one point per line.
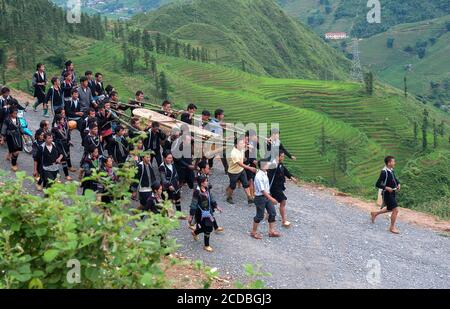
387	179
277	177
145	176
154	140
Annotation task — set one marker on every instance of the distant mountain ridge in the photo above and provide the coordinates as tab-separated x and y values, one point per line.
255	35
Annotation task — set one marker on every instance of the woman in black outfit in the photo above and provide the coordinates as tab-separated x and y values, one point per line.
12	131
170	181
38	142
61	136
202	207
39	82
50	159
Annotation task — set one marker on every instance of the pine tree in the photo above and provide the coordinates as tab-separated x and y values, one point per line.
435	134
147	44
441	128
168	46
164	86
146	59
416	132
3	61
158	43
405	85
368	81
153	66
425	125
177	49
189	51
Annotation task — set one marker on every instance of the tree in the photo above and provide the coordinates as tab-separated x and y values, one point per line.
405	86
416	132
390	43
435	134
425	125
158	43
164	86
153	66
189	51
368	81
177	49
243	65
146	59
147	42
441	128
3	61
322	141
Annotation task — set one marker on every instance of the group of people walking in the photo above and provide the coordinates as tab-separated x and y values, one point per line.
108	142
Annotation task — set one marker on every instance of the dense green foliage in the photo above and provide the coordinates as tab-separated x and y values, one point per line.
255	31
43	240
426	184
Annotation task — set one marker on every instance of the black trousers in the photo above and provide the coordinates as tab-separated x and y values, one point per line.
207	230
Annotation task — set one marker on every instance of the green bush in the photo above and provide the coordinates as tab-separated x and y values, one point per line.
42	239
426	184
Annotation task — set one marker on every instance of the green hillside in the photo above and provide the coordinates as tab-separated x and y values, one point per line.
254	34
350	15
392	64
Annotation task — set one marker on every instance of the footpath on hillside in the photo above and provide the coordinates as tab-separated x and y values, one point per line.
332	243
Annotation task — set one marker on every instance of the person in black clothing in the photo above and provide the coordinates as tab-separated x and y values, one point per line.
172	141
90	163
69	70
105	119
37	171
12	132
145	177
188	116
50	159
120	147
84	123
66	86
99	91
91	83
167	110
138	100
274	146
61	137
54	96
39	82
73	109
202	207
184	162
7	104
170	181
111	177
204	171
92	140
277	177
155	200
390	184
154	140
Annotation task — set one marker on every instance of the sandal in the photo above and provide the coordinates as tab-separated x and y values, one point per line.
274	234
257	236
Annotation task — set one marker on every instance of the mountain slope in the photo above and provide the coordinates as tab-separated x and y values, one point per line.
392	64
254	34
350	15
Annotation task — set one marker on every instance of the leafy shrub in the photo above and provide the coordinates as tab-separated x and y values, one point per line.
41	238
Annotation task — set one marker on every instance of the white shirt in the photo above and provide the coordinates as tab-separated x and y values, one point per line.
261	183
